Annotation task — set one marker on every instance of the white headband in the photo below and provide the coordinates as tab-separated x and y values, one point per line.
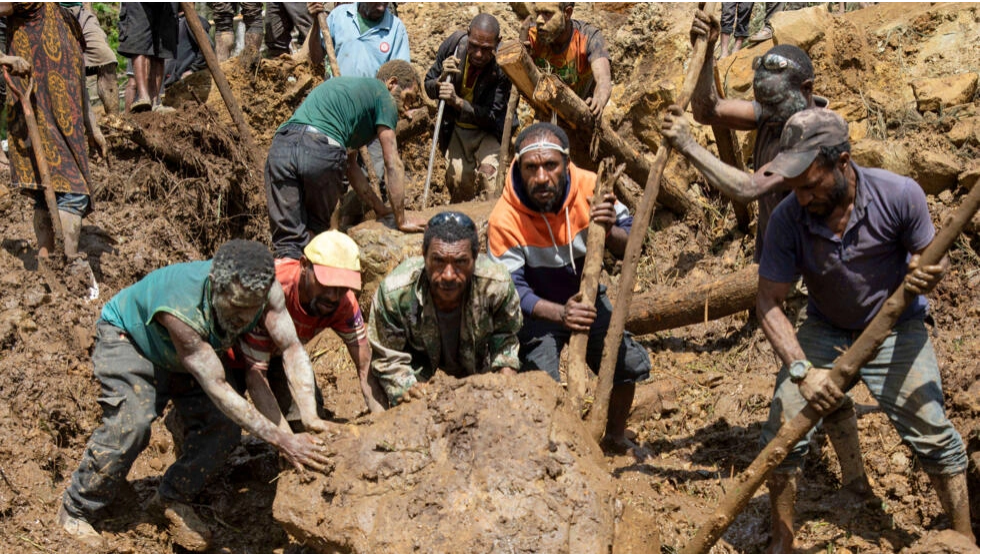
542	145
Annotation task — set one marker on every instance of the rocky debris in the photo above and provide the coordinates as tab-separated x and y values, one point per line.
942	542
937	93
484	464
801	28
935	171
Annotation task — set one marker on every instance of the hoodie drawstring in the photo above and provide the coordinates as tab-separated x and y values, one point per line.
568	230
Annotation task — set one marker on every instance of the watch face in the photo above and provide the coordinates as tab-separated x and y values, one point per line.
798	370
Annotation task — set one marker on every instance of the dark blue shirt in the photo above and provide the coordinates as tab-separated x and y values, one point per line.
849	278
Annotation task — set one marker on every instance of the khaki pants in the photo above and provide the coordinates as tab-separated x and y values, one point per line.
468	150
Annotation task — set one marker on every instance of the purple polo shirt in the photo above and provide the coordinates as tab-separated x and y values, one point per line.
849	278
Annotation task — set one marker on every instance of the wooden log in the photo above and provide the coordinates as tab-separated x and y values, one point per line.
843	373
224	88
578	372
725	141
504	156
635	242
553	93
682	306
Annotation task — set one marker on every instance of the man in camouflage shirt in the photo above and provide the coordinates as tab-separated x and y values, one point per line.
450	309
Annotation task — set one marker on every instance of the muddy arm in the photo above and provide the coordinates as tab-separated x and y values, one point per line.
371	389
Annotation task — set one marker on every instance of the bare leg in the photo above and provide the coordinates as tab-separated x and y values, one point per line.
156	79
952	491
738	45
129	94
783	494
108	89
141	73
724	46
621	399
843	433
44	233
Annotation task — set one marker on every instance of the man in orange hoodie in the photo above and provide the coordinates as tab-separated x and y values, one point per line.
538	230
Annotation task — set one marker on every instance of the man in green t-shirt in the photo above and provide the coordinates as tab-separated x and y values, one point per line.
313	152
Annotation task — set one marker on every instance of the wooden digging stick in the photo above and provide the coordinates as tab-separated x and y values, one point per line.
37	148
725	141
638	232
335	71
843	373
595	246
219	76
432	151
504	157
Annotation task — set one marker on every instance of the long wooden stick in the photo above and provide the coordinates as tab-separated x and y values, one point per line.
504	157
335	71
432	151
224	88
635	242
589	285
843	373
37	148
725	141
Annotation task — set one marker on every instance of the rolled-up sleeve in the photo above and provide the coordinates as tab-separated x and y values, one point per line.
389	360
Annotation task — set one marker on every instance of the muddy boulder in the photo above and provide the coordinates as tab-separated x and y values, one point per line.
490	463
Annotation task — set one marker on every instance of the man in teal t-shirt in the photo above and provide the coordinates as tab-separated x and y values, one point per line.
315	149
156	342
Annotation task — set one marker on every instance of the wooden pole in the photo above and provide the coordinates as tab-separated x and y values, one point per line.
432	150
725	141
201	38
731	294
635	242
37	148
504	157
578	373
555	95
843	373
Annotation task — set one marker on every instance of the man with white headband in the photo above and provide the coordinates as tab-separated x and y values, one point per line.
538	230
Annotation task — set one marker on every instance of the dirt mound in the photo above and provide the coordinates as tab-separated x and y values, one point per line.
485	464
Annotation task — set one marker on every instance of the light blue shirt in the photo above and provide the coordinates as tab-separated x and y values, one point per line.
360	55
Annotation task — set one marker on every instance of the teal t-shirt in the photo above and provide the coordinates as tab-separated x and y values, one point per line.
182	290
348	110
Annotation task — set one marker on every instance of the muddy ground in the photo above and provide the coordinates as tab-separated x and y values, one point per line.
179	185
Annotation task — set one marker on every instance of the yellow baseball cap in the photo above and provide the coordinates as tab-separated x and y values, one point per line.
336	260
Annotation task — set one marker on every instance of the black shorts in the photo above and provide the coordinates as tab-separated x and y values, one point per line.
148	29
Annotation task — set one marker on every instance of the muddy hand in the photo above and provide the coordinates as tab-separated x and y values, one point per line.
451	66
820	390
412	224
305	450
313	8
704	25
321	426
17	65
922	280
674	127
415	392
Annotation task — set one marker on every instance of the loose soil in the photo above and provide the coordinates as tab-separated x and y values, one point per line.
182	184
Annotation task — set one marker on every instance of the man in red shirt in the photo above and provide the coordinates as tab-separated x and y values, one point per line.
319	289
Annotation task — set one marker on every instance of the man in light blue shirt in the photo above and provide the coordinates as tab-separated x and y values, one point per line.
366	35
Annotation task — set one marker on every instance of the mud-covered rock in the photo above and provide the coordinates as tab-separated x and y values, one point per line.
490	463
965	131
942	542
888	155
944	92
801	28
935	171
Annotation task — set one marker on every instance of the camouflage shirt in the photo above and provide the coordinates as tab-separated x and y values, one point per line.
404	333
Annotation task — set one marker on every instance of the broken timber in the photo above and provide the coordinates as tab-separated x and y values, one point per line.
658	311
546	92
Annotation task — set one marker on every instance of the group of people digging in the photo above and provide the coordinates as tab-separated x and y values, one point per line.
200	334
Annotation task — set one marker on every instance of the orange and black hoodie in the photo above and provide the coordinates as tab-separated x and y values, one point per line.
544	251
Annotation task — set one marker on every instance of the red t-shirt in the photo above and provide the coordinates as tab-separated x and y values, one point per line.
257	348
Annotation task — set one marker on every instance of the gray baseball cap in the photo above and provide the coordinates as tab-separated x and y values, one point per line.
803	136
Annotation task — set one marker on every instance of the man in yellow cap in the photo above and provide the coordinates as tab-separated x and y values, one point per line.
319	295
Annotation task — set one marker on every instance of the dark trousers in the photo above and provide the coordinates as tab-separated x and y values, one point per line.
281	19
735	18
542	342
134	393
305	176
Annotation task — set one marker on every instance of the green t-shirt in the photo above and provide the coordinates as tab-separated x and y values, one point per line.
348	110
182	290
365	24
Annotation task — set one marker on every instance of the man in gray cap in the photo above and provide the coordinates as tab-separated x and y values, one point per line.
851	233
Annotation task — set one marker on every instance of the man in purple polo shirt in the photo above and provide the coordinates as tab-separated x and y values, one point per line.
851	233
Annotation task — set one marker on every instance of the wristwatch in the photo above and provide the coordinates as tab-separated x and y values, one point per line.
798	370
